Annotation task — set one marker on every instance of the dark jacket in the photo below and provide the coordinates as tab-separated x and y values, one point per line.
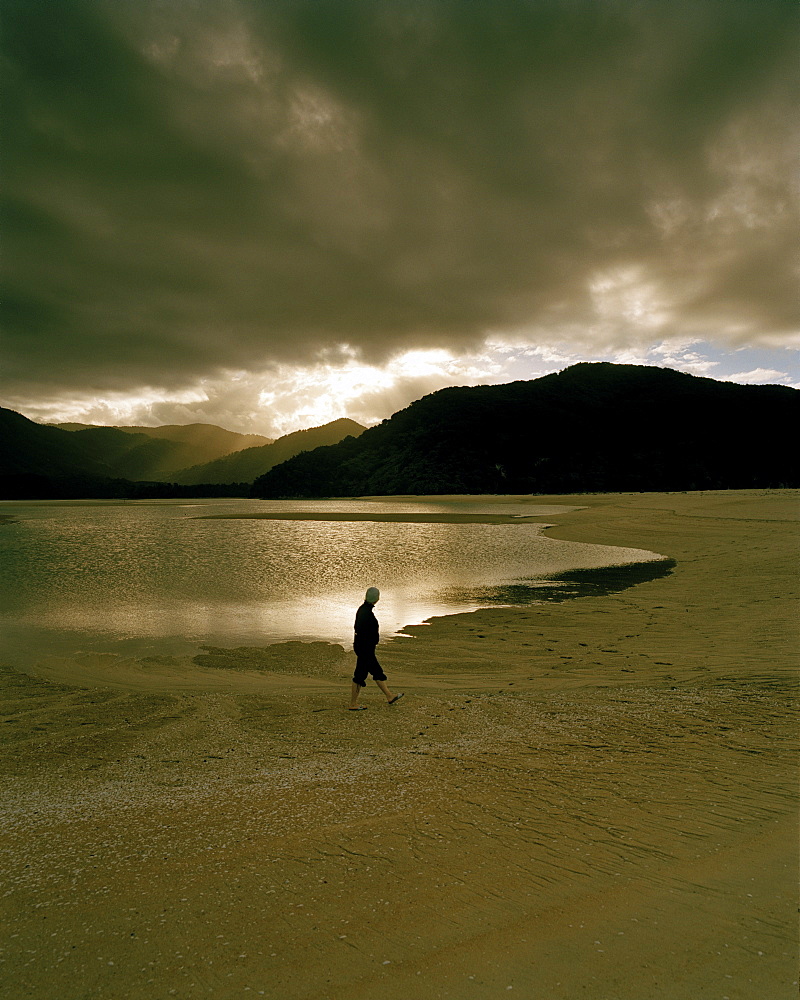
366	627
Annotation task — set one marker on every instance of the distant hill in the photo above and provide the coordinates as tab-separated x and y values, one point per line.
246	465
39	461
38	449
590	428
158	453
45	461
210	437
71	426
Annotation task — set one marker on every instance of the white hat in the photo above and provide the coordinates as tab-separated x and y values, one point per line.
373	595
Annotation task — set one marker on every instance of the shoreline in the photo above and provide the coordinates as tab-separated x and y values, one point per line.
45	650
696	531
593	797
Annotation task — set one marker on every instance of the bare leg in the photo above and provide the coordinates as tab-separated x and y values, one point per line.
354	693
385	689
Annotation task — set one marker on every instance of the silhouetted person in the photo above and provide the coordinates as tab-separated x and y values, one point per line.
367	637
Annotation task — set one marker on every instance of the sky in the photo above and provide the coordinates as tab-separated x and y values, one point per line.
267	214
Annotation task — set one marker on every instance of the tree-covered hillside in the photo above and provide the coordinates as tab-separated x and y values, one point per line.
591	427
250	463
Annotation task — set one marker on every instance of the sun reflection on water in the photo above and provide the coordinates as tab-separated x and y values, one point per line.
116	572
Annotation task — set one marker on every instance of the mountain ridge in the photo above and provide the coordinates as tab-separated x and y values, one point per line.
159	453
593	427
177	432
50	461
248	464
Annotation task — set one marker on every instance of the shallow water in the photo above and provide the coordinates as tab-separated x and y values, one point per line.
133	577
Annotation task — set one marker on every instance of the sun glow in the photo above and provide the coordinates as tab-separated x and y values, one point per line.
312	396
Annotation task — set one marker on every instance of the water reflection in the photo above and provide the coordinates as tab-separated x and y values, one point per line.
154	571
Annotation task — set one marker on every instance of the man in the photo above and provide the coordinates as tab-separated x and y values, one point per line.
366	639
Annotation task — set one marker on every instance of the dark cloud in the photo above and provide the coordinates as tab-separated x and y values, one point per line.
194	186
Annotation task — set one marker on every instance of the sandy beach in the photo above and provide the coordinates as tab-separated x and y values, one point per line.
593	799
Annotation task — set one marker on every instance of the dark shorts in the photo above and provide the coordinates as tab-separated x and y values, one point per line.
366	663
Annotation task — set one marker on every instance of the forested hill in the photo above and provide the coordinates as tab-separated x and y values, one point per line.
158	453
591	427
244	466
40	461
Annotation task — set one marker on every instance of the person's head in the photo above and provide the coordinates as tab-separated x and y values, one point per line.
373	595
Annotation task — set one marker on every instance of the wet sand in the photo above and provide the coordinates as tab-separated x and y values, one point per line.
595	798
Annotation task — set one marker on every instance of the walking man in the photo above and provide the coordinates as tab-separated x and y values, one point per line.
366	639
